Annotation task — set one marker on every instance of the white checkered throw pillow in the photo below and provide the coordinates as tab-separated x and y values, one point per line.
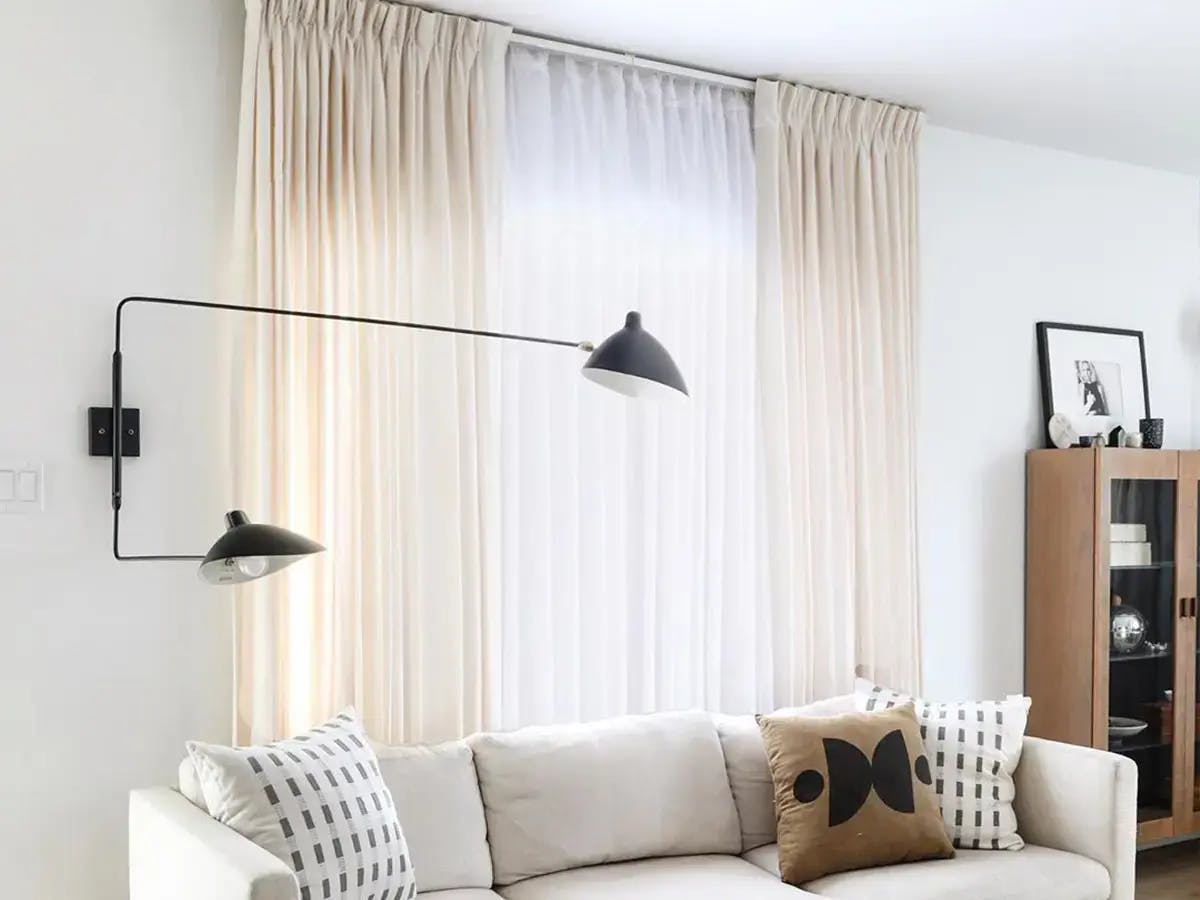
317	802
973	750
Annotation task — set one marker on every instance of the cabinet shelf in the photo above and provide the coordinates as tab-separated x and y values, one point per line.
1139	742
1149	567
1139	655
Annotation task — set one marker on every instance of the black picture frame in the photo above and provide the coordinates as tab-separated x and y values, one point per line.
1044	363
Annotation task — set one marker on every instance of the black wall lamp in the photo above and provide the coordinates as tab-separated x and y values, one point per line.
631	361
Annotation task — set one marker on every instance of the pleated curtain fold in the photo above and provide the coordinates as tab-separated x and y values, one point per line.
838	295
369	179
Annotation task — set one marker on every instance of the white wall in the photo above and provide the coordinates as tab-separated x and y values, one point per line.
116	162
1012	235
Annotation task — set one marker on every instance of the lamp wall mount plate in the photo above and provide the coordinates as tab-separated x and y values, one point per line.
100	431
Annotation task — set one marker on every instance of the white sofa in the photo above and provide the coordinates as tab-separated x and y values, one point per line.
675	806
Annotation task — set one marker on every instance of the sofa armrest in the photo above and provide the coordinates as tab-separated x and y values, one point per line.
1081	800
177	850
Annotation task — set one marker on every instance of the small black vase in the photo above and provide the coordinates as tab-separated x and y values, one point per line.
1152	433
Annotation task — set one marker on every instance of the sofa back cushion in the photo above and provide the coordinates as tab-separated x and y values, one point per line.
437	801
577	795
749	774
189	783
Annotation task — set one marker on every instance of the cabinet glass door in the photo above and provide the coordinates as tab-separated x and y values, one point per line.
1142	636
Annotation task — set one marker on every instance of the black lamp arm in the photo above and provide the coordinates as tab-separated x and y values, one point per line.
117	430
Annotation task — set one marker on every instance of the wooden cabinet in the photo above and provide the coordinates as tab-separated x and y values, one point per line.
1113	546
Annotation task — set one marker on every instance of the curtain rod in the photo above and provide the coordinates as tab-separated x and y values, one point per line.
629	59
734	82
585	51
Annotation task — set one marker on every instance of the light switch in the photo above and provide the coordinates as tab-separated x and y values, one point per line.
22	485
27	486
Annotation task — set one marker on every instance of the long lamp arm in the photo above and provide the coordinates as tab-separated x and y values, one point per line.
117	430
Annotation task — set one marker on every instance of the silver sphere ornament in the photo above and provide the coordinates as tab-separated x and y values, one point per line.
1128	629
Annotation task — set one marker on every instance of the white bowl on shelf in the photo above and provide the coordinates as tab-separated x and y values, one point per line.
1120	727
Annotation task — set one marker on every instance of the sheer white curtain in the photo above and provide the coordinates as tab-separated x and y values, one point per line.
838	304
370	163
629	530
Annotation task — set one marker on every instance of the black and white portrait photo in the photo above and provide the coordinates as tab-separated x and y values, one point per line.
1099	387
1094	376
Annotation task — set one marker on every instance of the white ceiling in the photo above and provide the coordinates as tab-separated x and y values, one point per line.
1112	78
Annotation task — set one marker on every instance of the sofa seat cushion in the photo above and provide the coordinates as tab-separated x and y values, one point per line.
978	874
677	878
636	787
460	894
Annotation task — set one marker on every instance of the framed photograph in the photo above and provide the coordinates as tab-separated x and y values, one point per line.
1096	377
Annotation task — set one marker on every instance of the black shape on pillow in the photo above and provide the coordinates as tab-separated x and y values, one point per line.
922	769
849	779
808	786
891	774
852	776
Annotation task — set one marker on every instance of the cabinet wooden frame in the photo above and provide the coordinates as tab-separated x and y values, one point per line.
1068	601
1188	504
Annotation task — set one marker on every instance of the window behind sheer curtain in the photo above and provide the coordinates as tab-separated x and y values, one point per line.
630	561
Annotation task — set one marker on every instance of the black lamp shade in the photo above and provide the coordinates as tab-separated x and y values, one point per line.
247	551
634	363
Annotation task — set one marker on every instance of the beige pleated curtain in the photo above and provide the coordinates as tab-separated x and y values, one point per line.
837	329
369	177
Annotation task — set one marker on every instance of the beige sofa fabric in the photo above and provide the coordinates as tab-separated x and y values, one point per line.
628	788
681	878
748	772
974	874
441	814
180	852
461	894
1081	800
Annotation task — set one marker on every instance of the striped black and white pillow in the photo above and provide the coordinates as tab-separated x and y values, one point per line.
973	749
317	802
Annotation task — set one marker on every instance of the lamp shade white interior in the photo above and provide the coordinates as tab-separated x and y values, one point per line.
247	551
632	362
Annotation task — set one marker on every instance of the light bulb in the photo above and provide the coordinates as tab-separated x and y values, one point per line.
252	566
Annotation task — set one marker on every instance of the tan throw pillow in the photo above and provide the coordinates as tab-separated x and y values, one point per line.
851	791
